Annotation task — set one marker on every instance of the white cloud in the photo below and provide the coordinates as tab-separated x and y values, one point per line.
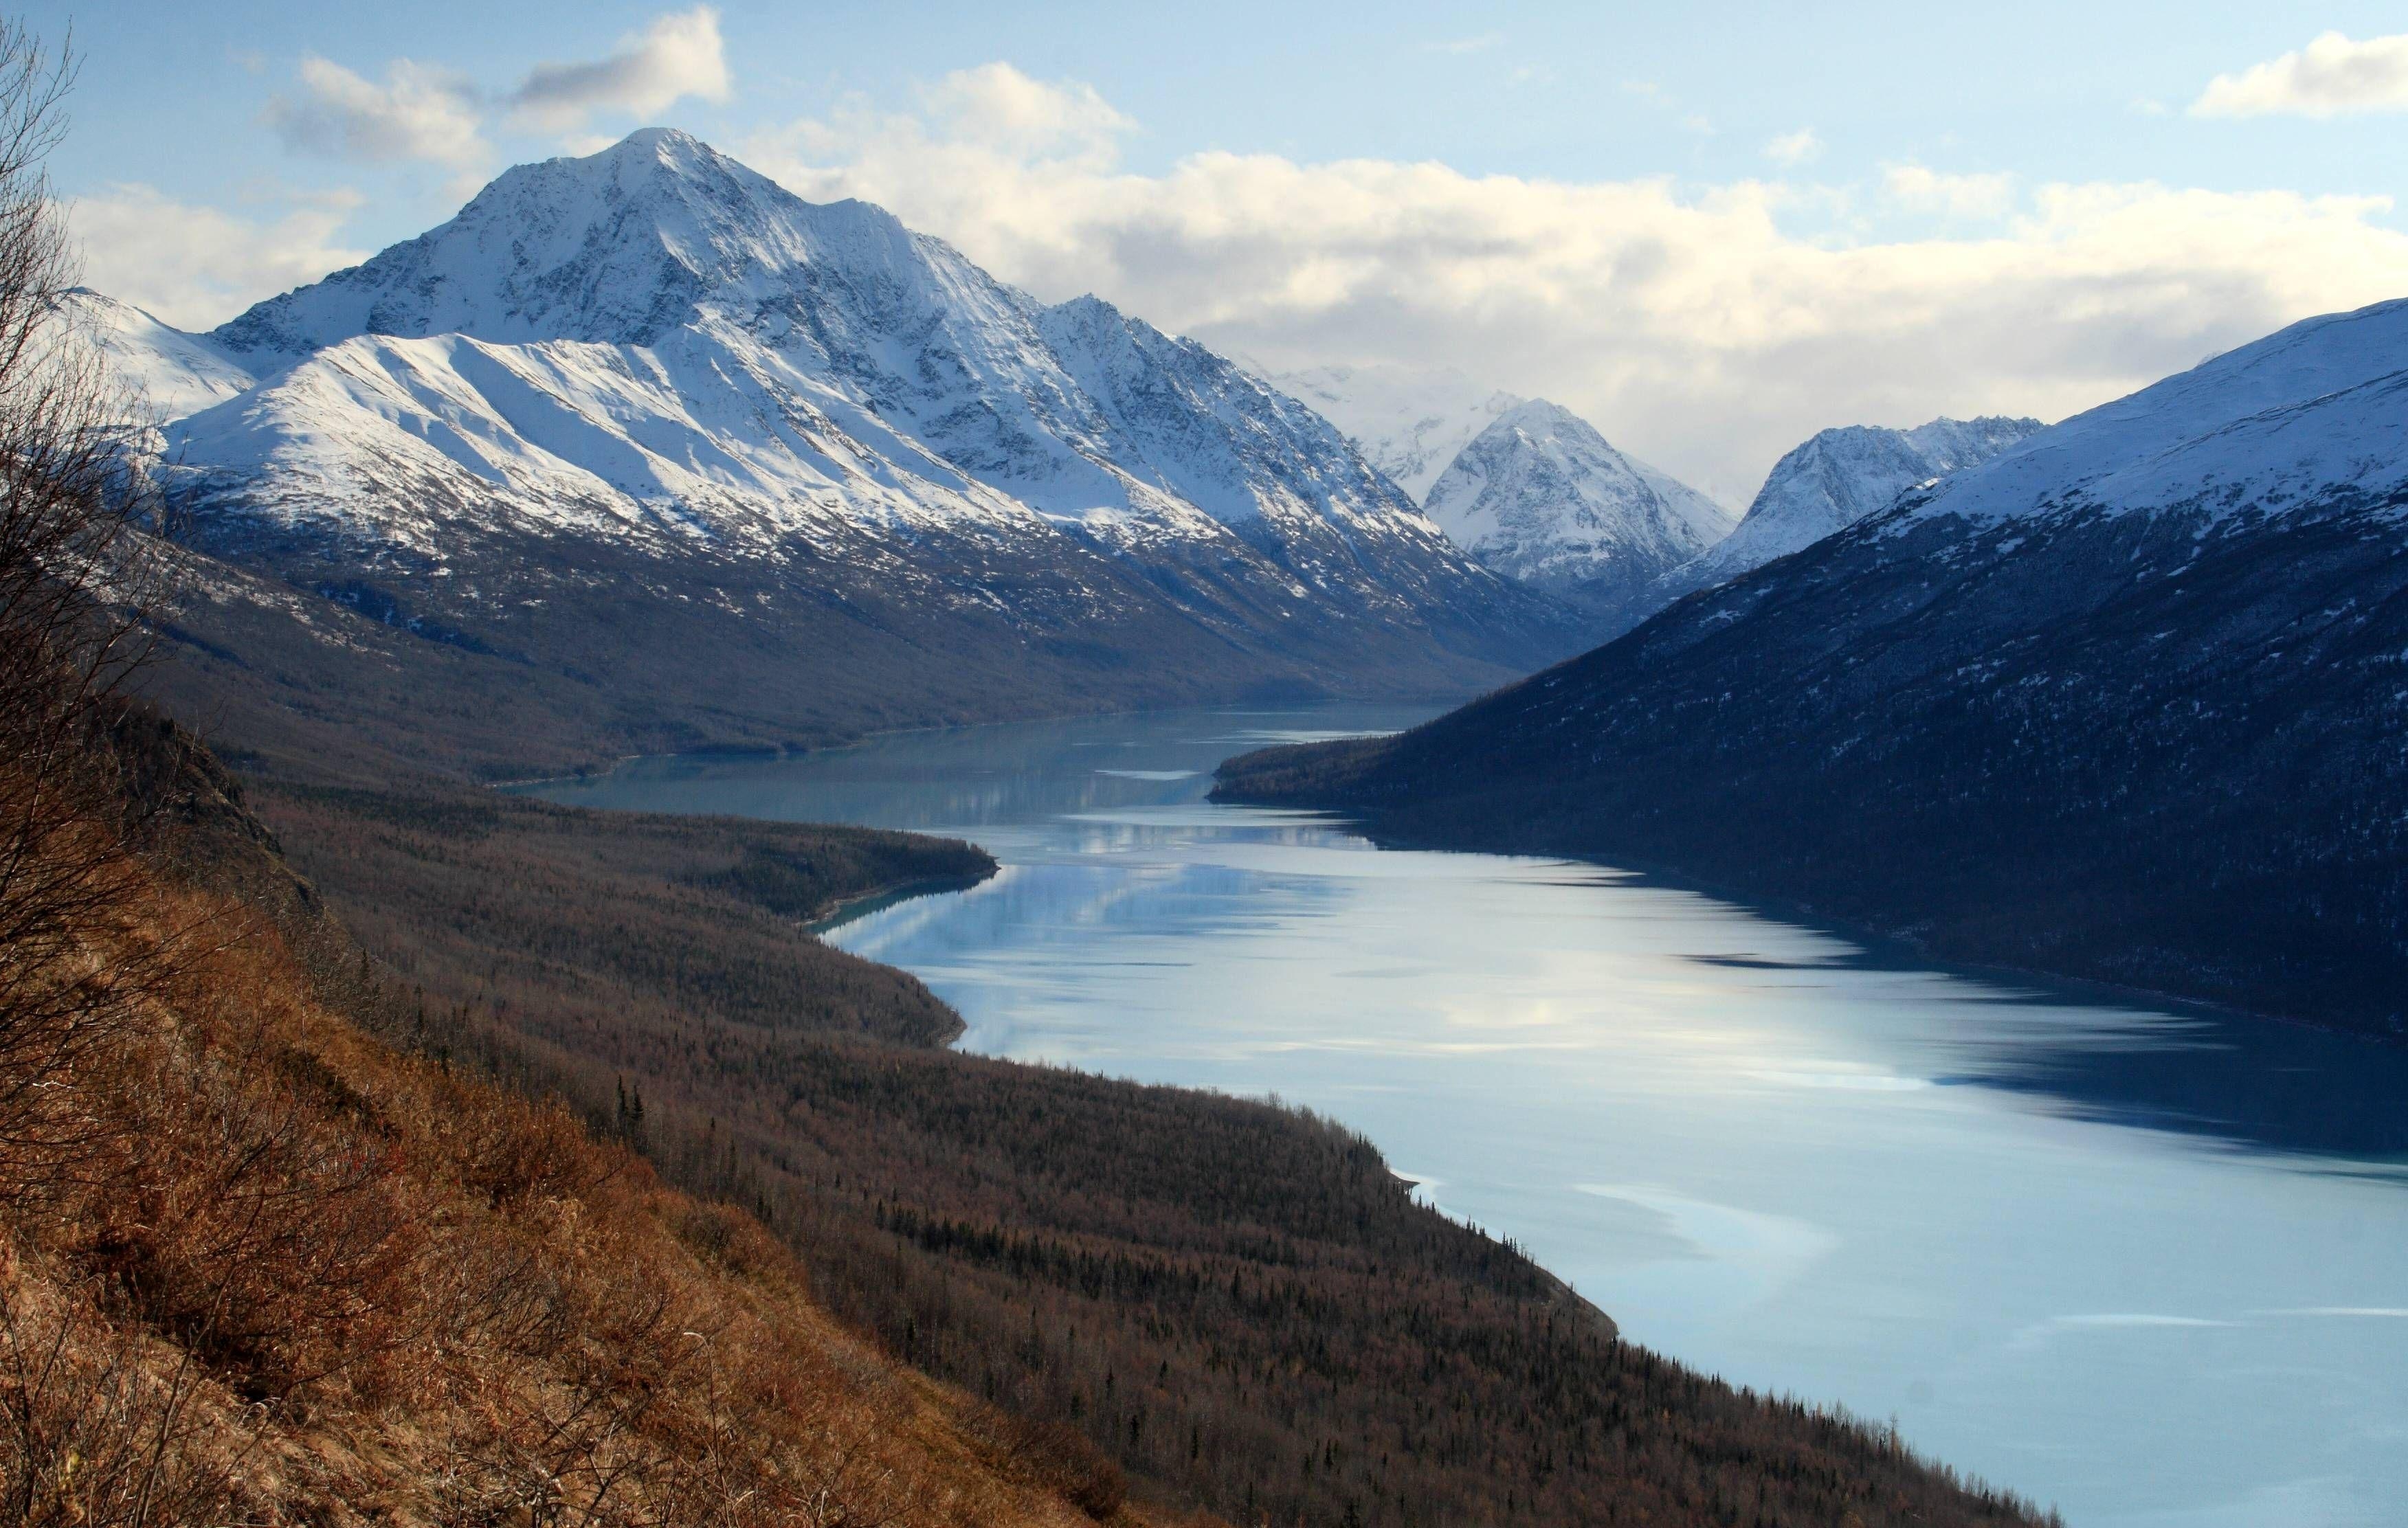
1921	190
1794	148
197	266
1691	324
422	112
418	113
2330	76
998	106
679	56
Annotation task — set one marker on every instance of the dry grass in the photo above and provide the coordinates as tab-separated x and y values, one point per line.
258	1268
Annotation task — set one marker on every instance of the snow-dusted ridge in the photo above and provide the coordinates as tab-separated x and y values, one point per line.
173	373
2306	413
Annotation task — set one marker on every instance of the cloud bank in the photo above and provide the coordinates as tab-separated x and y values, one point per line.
1694	325
2329	78
197	266
419	113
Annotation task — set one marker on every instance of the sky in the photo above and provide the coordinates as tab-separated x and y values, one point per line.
1709	229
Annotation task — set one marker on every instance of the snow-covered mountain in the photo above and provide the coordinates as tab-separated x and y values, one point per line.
1525	485
654	359
2125	701
1408	422
1837	478
1539	496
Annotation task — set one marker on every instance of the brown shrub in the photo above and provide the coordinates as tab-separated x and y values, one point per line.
295	1276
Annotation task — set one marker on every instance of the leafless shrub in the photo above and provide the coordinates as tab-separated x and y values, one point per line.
99	1426
75	581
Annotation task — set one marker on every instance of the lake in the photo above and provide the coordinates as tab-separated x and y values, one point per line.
2148	1266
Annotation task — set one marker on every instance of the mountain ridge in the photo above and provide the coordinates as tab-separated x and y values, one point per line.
1838	476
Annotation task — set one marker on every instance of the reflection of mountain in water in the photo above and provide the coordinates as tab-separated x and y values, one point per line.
2251	1082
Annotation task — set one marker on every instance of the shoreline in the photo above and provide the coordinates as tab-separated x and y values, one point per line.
837	912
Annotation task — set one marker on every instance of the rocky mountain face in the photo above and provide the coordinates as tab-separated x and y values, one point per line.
1830	483
702	462
2124	702
1541	497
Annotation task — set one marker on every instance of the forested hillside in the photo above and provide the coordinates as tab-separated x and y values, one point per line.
1239	1305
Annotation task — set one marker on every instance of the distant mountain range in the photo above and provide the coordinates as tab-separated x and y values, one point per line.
1536	494
2125	701
672	458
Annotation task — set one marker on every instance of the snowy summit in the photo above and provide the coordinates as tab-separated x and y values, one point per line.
1541	497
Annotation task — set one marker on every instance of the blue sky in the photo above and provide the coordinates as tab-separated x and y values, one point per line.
1725	223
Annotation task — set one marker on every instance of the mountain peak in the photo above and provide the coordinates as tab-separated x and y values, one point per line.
1408	422
659	140
619	247
1540	495
1543	419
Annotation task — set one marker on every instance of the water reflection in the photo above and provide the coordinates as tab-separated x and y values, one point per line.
2142	1262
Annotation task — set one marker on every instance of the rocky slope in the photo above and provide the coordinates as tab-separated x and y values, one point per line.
262	1267
627	415
2124	702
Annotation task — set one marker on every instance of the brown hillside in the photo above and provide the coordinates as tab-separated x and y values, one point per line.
259	1268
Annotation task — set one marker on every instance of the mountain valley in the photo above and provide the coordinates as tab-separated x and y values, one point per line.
670	855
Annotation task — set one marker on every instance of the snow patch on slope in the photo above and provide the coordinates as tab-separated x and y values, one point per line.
176	373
